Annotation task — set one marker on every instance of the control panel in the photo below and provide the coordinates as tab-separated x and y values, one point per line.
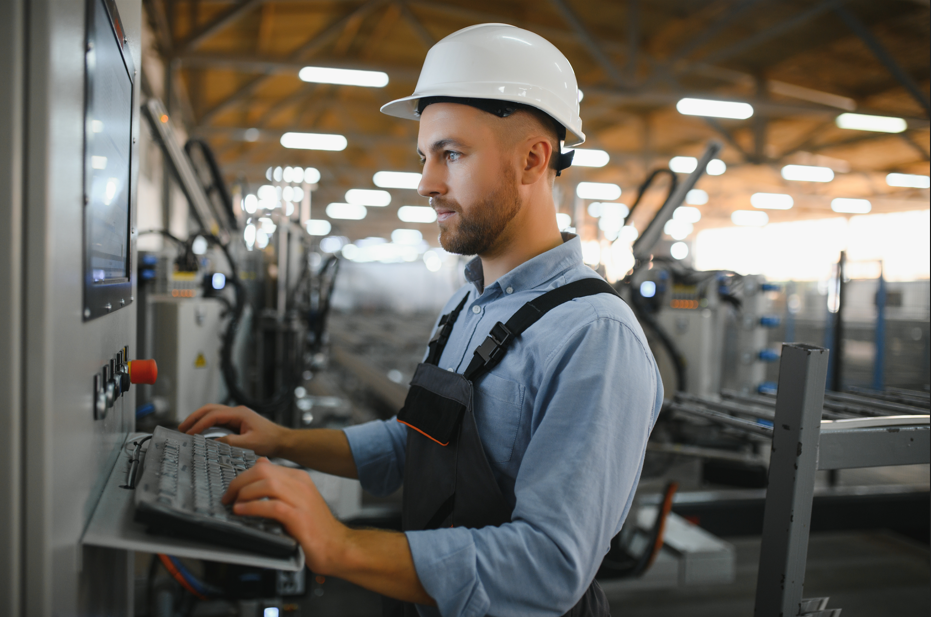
114	379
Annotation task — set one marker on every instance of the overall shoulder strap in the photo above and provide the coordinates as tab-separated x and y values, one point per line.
438	343
490	352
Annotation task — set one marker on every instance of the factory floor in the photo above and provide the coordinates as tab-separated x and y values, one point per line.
867	574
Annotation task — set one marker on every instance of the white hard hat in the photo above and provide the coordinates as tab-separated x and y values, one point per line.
503	63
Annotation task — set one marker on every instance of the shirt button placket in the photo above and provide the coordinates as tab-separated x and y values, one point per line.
476	309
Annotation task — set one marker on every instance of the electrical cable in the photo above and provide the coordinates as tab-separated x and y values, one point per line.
166	233
175	574
673	183
641	311
202	587
283	397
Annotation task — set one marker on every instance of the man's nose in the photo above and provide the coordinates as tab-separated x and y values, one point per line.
432	180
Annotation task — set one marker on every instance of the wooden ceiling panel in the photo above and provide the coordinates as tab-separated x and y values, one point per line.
795	60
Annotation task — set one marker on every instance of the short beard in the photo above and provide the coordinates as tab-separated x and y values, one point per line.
481	231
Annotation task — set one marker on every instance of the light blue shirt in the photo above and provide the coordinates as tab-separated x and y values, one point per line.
564	419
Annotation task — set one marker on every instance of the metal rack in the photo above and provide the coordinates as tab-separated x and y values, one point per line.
811	430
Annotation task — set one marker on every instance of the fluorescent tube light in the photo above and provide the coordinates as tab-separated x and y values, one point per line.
687	214
368	197
311	175
749	218
677	229
714	109
351	212
696	197
417	214
878	124
851	206
771	201
396	180
911	181
313	141
598	190
343	77
687	164
406	236
318	227
807	173
589	158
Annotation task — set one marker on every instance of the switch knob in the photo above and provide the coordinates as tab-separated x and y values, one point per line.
143	371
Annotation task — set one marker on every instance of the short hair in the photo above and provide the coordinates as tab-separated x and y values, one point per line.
554	131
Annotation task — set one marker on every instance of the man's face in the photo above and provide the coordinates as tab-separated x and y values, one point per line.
471	182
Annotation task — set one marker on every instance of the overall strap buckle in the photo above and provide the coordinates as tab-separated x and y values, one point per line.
495	343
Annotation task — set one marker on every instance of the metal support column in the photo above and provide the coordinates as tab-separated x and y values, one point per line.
787	515
879	362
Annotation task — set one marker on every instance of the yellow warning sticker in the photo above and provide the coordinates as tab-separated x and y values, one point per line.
201	361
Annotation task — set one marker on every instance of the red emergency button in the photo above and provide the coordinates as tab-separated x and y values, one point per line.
143	371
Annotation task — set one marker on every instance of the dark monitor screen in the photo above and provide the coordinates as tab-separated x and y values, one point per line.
107	161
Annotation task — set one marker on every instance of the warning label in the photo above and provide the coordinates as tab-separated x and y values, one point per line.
200	361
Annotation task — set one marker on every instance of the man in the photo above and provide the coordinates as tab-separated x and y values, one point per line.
522	438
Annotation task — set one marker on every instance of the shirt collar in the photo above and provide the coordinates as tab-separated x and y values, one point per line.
533	272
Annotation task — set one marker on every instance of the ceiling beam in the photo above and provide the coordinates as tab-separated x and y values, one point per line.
419	28
316	42
884	57
825	103
589	41
708	32
220	22
771	32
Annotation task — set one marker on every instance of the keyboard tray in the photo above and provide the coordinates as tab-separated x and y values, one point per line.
112	526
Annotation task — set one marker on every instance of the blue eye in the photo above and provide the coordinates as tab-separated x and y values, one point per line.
453	156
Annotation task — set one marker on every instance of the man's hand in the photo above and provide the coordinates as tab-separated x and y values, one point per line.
377	560
256	433
290	497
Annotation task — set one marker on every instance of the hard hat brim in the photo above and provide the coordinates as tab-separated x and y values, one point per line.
406	108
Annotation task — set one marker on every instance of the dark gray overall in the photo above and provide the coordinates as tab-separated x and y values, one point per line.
447	478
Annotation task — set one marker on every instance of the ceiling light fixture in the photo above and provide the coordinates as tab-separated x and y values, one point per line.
351	212
696	197
417	214
368	197
318	227
396	179
687	214
714	109
311	175
807	173
598	190
910	181
313	141
844	205
343	77
771	201
749	218
410	237
878	124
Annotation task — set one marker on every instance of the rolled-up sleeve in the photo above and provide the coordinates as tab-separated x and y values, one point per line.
592	415
378	451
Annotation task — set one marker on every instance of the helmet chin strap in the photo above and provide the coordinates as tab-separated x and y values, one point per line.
502	109
563	160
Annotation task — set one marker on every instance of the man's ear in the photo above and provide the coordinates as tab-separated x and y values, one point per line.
536	160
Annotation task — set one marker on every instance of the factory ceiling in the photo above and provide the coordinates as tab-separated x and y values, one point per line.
234	81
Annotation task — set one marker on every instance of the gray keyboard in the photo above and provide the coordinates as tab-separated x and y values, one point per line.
178	494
